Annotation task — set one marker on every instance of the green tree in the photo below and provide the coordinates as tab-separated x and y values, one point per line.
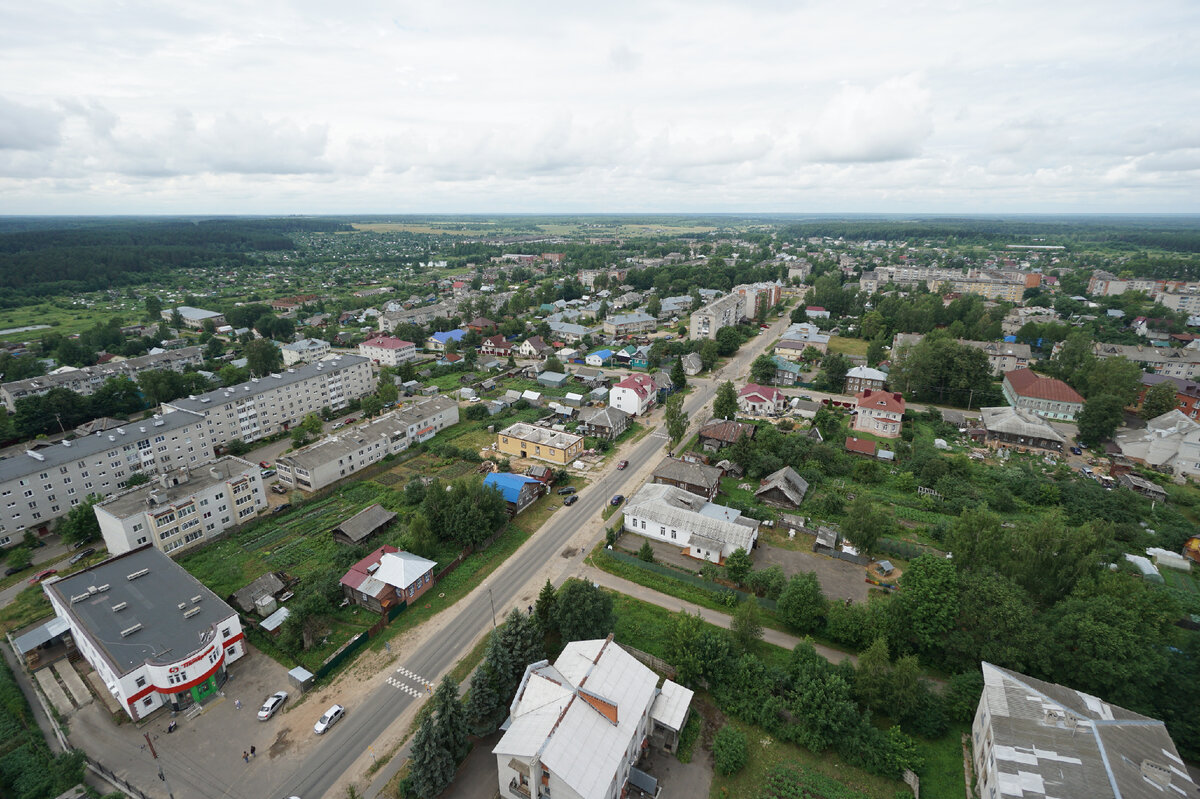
646	553
232	375
1159	399
80	525
544	608
873	676
371	405
677	421
484	703
865	523
1102	414
431	766
450	724
738	565
678	376
19	557
153	308
709	354
387	391
1119	377
725	404
729	750
583	612
728	341
746	625
762	371
263	357
312	425
834	367
926	604
802	605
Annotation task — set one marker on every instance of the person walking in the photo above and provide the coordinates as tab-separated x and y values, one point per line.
237	703
252	752
245	756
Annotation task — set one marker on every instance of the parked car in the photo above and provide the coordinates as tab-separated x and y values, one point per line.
42	575
278	489
622	464
617	500
267	473
571	500
76	558
336	425
264	464
565	490
352	420
280	508
11	570
1076	451
272	703
331	717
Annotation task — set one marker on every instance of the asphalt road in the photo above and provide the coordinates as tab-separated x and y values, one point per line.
364	724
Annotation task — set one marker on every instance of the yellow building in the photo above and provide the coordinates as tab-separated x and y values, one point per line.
529	441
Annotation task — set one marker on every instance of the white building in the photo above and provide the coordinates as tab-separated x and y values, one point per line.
85	381
194	317
306	350
153	633
722	312
878	412
388	350
635	394
577	728
353	449
761	400
182	509
709	531
262	406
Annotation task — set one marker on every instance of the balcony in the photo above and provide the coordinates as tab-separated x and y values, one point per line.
518	789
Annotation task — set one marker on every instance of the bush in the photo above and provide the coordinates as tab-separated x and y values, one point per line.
646	553
729	750
962	695
476	412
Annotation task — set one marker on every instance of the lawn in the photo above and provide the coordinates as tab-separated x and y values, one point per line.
848	346
533	517
942	777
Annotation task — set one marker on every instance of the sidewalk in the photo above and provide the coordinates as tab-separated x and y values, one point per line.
789	642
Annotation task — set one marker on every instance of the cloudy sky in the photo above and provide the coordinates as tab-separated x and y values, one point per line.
308	106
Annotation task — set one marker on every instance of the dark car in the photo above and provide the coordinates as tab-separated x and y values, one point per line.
280	508
1076	451
11	570
565	490
76	558
571	500
617	500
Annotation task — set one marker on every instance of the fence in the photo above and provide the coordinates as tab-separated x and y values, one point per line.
905	549
339	657
655	663
678	574
115	781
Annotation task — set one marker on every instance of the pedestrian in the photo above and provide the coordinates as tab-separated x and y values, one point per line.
237	703
245	756
252	752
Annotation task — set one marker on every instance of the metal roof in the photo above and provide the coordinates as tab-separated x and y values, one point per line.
671	706
674	507
402	569
259	385
365	522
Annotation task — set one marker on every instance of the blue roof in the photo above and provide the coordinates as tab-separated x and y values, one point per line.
605	354
508	484
446	335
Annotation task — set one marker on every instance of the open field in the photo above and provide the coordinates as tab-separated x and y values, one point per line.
848	346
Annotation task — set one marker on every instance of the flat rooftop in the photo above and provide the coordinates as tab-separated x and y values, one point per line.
260	385
130	607
133	501
353	439
541	435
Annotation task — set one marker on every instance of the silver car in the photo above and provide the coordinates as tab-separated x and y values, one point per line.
273	703
331	717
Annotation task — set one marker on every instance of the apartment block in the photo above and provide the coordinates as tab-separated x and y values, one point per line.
85	381
722	312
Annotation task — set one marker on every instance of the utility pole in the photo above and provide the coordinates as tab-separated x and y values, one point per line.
161	775
493	603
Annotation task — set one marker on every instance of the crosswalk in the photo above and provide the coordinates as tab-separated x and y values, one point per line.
402	679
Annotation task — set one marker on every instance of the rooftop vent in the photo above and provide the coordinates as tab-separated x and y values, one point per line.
181	605
1156	773
158	422
202	399
119	607
128	631
196	598
121	430
143	429
100	589
191	613
79	598
137	574
37	456
66	443
112	438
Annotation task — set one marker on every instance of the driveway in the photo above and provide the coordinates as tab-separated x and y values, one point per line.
838	578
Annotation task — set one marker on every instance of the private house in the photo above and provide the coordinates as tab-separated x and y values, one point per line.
697	478
260	593
703	529
523	440
519	491
640	359
757	400
879	413
534	347
692	365
860	446
787	373
437	342
1169	443
799	337
386	578
306	350
606	422
635	394
553	379
1003	356
569	331
629	324
599	358
722	433
861	378
1039	739
782	489
1142	486
815	312
481	325
388	350
155	635
362	525
1045	396
577	729
496	345
1019	429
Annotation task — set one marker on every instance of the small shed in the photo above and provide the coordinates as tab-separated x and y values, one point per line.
363	525
670	713
553	379
301	678
272	623
885	567
573	399
1148	570
269	585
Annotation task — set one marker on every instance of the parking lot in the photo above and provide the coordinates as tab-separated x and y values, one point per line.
839	579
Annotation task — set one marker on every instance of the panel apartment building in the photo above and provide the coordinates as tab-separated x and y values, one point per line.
85	381
721	312
263	406
332	458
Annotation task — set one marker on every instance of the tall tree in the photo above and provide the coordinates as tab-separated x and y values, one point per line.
762	371
677	421
263	357
1102	414
544	609
866	522
450	724
582	611
678	376
1119	377
834	367
926	604
431	767
802	605
746	625
725	404
1159	399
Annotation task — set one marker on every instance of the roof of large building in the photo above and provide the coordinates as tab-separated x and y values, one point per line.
1143	354
642	385
867	373
681	471
675	507
999	348
1018	422
131	607
581	715
306	344
388	343
635	318
1052	741
1158	443
608	416
1185	387
509	484
133	501
257	385
127	367
541	435
39	460
195	314
445	335
1027	383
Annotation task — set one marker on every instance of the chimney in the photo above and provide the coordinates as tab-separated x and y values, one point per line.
896	396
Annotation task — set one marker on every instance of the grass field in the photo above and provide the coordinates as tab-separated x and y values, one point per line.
848	346
942	776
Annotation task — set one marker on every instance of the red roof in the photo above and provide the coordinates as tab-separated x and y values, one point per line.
642	385
864	446
389	343
764	393
496	341
452	358
880	400
361	570
814	308
1027	383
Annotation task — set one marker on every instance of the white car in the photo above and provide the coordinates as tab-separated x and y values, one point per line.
272	703
331	717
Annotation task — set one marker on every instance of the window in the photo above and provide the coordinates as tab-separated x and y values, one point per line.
141	682
148	701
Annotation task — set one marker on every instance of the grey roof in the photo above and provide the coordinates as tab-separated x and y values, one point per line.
402	569
541	435
268	584
129	367
259	385
793	486
687	472
635	318
42	634
683	510
66	452
353	439
365	522
671	706
133	501
195	314
305	344
149	587
1049	740
1018	422
607	416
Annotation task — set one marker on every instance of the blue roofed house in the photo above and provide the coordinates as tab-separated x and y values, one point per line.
437	342
519	491
599	358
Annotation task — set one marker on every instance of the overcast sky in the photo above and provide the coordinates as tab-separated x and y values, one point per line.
308	106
